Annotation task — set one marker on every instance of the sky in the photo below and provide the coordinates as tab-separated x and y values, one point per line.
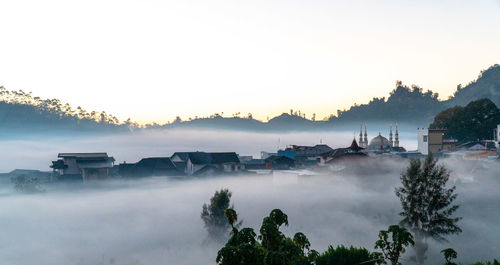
152	60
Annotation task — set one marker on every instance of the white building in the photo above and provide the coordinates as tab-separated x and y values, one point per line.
86	165
423	141
497	136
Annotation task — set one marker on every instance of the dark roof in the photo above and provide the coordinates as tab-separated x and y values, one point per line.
203	158
200	158
281	159
220	158
398	149
156	162
335	153
354	146
180	165
83	155
182	155
255	162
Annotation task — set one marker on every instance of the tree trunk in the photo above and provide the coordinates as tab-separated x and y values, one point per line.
420	248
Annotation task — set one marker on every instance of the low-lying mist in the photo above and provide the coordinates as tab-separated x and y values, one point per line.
36	153
157	220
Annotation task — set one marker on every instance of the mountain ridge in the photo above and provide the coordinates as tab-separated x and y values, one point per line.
405	104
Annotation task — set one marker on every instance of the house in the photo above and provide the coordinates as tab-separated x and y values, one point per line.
202	163
339	155
305	155
255	164
84	166
151	166
279	162
434	141
481	145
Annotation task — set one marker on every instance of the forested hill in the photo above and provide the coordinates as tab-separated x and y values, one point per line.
487	85
22	112
404	104
411	105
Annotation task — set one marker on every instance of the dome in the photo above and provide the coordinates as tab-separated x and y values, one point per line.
379	143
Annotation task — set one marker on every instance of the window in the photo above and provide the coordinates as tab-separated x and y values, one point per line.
425	138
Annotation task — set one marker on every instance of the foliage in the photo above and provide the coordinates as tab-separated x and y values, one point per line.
214	215
342	255
449	254
25	184
392	247
487	85
17	108
404	104
427	203
274	248
470	123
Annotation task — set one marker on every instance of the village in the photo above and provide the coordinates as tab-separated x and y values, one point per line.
317	158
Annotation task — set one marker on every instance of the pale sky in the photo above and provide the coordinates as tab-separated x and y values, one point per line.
152	60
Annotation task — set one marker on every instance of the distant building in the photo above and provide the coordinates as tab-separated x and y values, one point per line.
264	155
279	162
244	159
434	141
353	152
148	167
83	166
380	144
255	164
482	145
305	155
202	163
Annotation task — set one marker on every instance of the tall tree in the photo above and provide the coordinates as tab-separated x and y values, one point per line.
427	203
214	216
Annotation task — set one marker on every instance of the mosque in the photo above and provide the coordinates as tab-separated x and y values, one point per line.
380	143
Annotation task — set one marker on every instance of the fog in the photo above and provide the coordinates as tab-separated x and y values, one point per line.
36	153
157	220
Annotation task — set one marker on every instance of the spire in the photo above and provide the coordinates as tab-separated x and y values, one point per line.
365	142
361	135
396	143
390	136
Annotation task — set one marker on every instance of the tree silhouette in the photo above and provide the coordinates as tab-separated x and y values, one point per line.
393	245
427	203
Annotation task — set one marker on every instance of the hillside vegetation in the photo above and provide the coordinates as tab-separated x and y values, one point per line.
406	104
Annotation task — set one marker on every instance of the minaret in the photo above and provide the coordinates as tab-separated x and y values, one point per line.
390	137
396	143
366	138
361	135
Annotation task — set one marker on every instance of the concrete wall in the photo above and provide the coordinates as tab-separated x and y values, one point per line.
423	141
435	141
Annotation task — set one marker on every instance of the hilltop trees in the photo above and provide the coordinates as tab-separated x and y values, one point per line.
214	216
404	104
427	203
19	109
472	122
